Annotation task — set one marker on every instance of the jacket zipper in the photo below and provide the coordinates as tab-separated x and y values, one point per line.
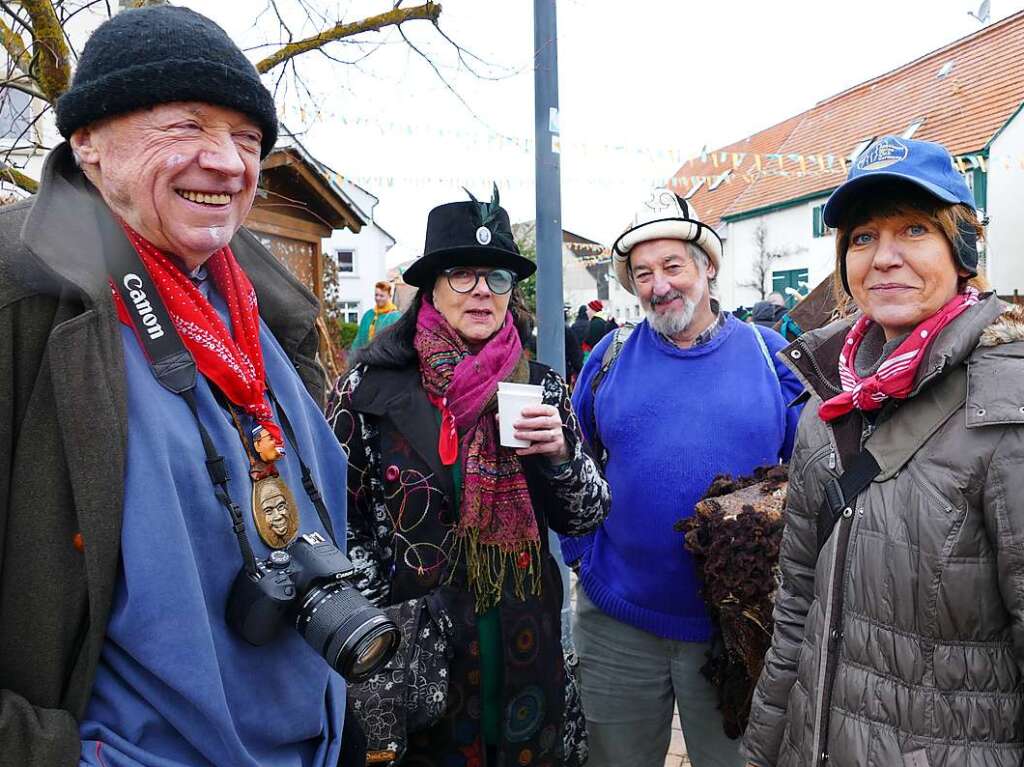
817	369
829	655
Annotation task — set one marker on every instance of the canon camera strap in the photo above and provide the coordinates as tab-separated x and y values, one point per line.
175	369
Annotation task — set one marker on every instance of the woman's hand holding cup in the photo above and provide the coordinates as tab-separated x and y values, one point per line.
541	426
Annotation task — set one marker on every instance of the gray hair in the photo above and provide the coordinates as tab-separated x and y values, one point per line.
701	259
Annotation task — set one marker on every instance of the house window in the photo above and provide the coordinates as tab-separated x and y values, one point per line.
718	180
349	311
346	261
792	284
860	148
819	228
694	191
912	128
15	114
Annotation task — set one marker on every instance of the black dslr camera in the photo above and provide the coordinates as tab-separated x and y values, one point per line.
307	584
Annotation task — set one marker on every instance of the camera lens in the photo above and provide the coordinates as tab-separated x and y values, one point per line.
352	635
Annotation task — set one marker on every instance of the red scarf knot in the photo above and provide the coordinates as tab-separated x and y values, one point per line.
895	377
234	364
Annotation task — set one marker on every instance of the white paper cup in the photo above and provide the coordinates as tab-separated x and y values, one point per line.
512	398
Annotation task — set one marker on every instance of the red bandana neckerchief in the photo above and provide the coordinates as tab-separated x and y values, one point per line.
233	365
497	529
894	377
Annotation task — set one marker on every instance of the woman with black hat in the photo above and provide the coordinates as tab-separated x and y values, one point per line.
439	507
899	620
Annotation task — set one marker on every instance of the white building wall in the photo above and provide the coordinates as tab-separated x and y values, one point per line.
791	228
370	247
623	305
1004	250
580	287
578	284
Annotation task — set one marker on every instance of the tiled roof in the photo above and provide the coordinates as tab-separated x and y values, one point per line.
711	204
962	110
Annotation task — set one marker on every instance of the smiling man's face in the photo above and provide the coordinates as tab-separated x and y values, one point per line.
183	175
670	283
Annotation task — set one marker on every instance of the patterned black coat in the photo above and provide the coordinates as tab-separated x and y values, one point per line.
401	530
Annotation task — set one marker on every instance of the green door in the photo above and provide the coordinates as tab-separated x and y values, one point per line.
794	280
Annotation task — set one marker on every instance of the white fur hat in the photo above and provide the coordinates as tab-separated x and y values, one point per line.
665	215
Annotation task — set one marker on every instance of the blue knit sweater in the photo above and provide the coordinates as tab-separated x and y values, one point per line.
671	420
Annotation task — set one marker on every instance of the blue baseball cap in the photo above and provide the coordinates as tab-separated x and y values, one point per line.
923	163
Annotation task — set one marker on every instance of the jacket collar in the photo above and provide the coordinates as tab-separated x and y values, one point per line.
70	228
814	356
396	393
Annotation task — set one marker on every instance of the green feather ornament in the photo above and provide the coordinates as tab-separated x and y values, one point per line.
487	215
487	211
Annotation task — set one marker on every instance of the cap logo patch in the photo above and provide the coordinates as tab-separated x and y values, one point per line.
882	154
483	235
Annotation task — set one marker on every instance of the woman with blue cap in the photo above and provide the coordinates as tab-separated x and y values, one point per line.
899	620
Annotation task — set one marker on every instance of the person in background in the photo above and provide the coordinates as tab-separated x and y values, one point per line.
439	507
383	313
573	353
768	312
899	621
117	554
580	324
693	393
597	326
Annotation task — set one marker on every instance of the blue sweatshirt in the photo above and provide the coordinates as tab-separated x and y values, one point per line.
672	419
176	685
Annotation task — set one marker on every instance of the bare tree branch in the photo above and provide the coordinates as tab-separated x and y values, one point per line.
15	47
764	258
451	88
19	179
428	11
50	52
280	20
24	85
463	53
8	8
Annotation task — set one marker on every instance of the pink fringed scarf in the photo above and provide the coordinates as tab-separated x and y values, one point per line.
894	377
497	528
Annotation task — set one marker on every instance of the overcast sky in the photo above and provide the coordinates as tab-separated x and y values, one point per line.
643	84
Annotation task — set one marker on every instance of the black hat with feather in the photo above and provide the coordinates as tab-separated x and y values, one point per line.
470	233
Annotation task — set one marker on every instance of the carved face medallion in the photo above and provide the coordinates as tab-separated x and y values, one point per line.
275	512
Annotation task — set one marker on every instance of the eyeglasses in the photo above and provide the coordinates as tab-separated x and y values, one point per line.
464	280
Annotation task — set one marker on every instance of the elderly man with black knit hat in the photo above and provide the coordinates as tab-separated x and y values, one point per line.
127	522
692	392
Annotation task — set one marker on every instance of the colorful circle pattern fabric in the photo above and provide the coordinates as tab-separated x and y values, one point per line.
524	715
524	641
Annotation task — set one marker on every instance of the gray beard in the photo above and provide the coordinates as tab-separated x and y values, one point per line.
672	323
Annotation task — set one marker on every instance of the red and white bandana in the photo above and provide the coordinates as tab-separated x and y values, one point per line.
894	377
233	365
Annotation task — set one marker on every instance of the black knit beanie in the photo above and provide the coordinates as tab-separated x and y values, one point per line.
160	54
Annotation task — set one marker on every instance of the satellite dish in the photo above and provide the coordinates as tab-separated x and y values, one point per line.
984	12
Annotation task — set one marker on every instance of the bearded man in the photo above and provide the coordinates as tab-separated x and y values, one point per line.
691	393
118	549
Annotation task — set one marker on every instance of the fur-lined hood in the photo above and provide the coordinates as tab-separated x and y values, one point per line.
1008	328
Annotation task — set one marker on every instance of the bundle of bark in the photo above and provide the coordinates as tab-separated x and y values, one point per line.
734	536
